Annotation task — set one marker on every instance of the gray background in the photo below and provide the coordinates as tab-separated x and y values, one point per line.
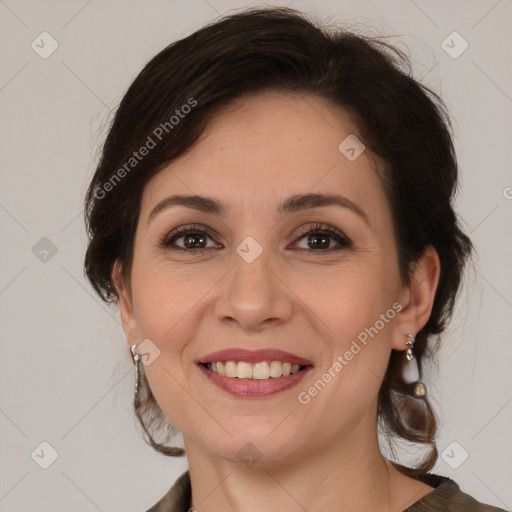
66	375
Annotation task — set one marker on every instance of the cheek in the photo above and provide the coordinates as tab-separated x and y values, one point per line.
169	388
165	307
354	313
164	298
348	300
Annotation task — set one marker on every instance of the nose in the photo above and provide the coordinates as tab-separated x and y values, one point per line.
254	296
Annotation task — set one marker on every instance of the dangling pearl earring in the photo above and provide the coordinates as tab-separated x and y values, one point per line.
411	373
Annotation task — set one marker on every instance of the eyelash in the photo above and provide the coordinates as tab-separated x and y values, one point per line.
166	242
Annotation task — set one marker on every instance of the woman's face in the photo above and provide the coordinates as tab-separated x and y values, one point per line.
257	282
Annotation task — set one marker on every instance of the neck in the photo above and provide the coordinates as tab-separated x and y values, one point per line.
351	476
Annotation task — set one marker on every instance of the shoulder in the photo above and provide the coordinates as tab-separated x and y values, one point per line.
177	499
447	496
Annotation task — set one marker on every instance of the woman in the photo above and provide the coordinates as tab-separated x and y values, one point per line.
273	213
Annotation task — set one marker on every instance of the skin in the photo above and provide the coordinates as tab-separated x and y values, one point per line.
258	152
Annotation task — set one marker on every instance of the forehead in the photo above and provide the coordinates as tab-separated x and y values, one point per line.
276	126
264	147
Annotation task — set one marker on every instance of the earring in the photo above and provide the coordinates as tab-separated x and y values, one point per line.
136	363
411	373
410	343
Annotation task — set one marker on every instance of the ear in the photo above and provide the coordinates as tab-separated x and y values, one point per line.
417	299
124	295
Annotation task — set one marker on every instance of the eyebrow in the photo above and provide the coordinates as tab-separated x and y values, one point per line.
292	204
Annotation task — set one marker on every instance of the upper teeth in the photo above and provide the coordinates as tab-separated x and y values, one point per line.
262	370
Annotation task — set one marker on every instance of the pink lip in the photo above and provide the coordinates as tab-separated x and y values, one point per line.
253	388
253	356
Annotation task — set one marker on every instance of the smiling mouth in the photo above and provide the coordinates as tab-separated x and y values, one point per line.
262	370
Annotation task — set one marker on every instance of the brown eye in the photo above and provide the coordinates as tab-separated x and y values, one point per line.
188	239
319	239
194	241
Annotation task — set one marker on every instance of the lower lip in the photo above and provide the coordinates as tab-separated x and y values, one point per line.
254	388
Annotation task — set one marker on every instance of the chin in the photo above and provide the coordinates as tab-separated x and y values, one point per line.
253	443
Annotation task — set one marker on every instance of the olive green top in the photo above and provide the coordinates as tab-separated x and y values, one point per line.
446	497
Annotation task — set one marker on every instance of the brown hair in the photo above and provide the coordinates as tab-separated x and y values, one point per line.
400	120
